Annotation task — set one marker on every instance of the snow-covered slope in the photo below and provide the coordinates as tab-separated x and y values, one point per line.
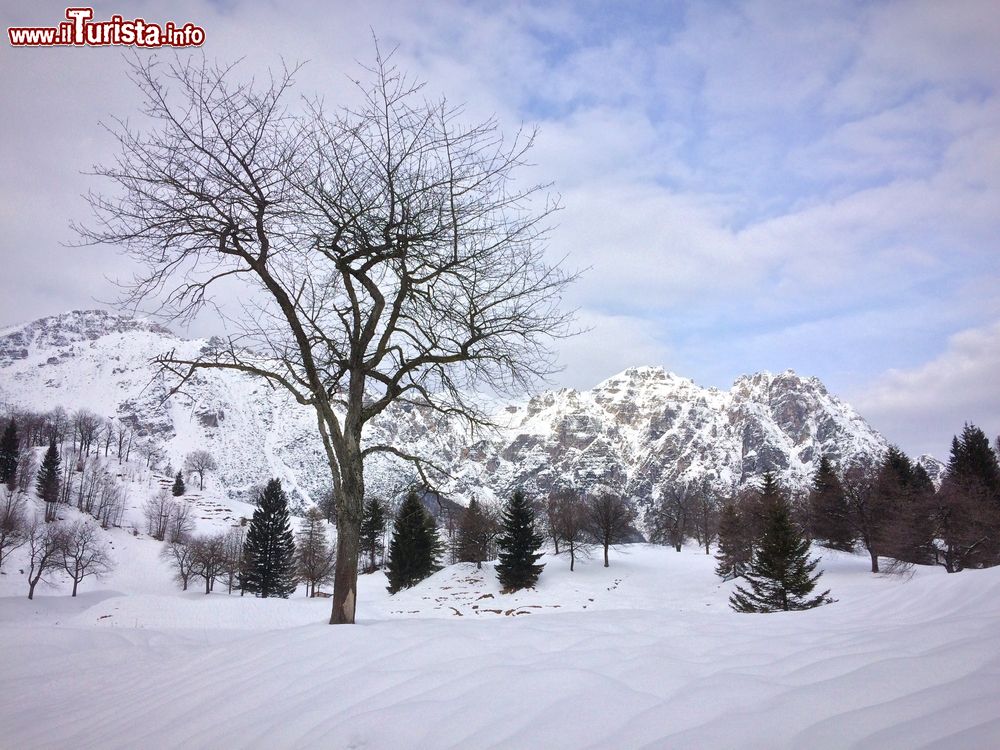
643	654
641	430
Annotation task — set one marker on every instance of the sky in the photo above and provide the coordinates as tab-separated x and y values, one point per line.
746	185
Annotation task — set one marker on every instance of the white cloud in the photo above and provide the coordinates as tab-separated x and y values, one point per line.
922	407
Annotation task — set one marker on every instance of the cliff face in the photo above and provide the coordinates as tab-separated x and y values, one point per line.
640	430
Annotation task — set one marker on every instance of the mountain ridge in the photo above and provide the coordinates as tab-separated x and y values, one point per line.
641	431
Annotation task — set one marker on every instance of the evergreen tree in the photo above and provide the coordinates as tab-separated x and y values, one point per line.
10	452
780	574
968	504
178	488
47	483
373	524
475	532
414	548
314	557
269	549
734	550
518	543
973	461
829	516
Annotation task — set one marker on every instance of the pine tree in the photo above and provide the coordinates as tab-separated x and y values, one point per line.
269	549
475	531
373	524
414	548
780	574
968	504
178	488
734	544
314	557
10	452
47	483
828	511
518	543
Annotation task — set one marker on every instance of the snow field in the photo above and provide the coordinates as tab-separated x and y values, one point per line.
644	653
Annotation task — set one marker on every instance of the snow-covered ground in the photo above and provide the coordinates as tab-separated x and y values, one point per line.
644	653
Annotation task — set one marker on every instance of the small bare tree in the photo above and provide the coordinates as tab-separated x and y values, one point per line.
180	556
389	253
671	519
609	520
84	552
156	510
570	523
232	550
198	462
180	523
13	523
209	558
314	557
45	542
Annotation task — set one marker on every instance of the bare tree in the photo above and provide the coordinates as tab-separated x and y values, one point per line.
389	255
181	558
209	558
86	425
232	552
671	519
314	557
180	524
570	523
867	511
13	523
84	552
156	511
609	520
44	541
705	518
198	462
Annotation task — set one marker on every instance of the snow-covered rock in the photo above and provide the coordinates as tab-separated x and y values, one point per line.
641	430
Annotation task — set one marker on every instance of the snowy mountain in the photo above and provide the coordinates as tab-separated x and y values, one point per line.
641	430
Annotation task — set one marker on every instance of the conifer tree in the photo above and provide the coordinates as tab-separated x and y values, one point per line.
178	488
47	483
780	574
414	547
269	549
314	557
734	550
829	516
373	525
967	509
475	532
517	567
10	453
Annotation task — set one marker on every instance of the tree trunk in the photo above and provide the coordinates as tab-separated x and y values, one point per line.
75	584
572	558
208	586
345	580
350	508
31	588
606	545
874	556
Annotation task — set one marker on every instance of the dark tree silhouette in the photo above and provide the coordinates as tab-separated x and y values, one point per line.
829	514
373	526
47	483
518	566
780	575
269	549
390	254
609	520
414	546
